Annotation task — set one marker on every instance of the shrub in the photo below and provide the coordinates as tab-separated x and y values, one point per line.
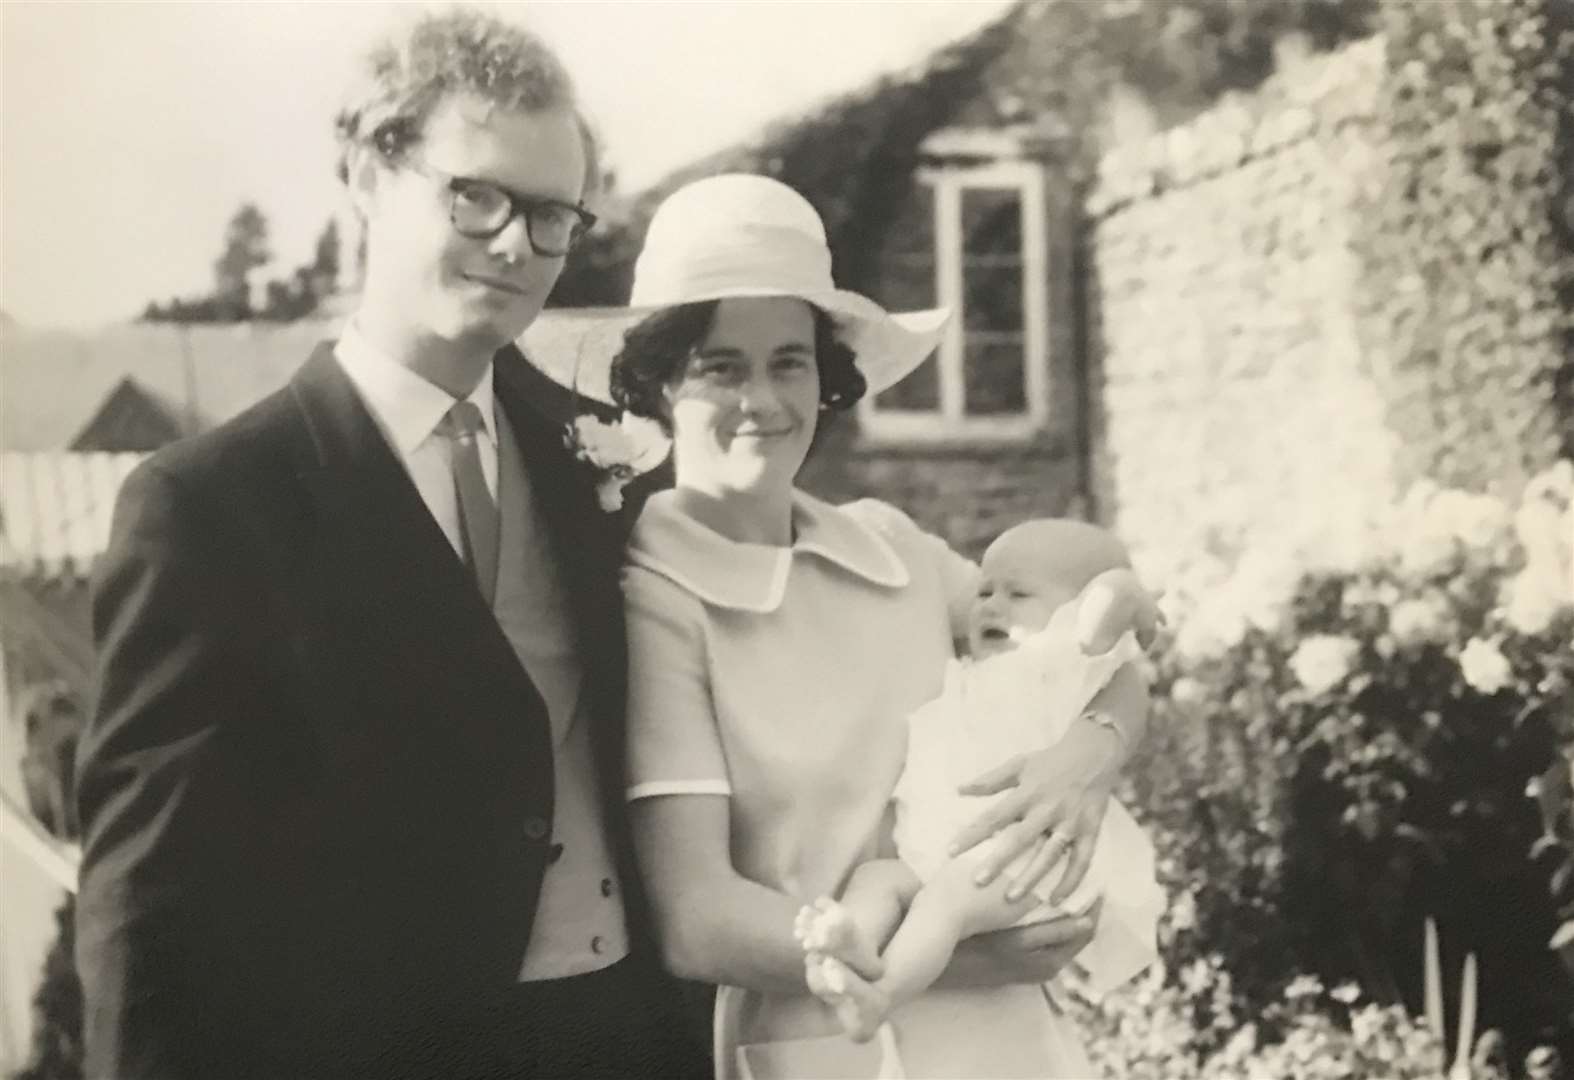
1182	1029
57	1009
1335	763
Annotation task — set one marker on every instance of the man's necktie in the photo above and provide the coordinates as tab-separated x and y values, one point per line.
478	517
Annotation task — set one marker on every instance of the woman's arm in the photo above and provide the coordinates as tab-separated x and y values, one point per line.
714	924
1035	953
1055	798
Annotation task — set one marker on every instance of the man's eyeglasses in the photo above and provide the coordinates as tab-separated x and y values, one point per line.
481	209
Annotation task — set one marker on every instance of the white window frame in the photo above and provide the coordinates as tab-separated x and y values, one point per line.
950	420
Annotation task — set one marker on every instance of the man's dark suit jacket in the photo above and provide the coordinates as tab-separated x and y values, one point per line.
317	785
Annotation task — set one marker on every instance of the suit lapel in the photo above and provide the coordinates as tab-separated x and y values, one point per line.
395	579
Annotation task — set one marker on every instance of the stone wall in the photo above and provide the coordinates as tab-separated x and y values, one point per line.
1231	402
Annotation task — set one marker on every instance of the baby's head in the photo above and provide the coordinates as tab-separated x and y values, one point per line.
1029	571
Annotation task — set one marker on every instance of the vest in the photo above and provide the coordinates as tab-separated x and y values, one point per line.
579	922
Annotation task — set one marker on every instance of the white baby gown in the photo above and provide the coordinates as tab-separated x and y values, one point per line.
1021	702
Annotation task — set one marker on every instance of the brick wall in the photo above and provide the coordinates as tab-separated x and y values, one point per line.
966	493
1231	401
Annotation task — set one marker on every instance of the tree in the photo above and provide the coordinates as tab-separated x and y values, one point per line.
297	295
245	249
325	262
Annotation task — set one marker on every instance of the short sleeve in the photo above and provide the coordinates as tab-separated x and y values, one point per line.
1097	671
958	574
674	747
1053	656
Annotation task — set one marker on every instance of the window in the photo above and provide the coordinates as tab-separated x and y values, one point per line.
981	252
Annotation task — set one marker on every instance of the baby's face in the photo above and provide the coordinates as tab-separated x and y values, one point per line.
1015	596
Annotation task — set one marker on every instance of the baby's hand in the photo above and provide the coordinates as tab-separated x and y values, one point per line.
1111	604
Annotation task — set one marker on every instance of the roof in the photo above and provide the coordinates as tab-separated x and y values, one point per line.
131	418
56	387
55	511
54	383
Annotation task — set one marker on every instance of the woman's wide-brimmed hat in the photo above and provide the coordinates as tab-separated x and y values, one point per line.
738	235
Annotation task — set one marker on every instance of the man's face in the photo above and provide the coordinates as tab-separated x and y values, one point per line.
424	275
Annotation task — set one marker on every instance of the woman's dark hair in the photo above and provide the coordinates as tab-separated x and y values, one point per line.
656	350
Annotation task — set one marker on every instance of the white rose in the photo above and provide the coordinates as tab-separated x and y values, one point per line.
1419	619
1216	624
1484	666
1322	661
1186	691
1547	535
1478	521
1421	493
1554	484
1426	553
1261	588
603	445
1533	599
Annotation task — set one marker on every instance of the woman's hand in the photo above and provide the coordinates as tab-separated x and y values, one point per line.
1053	806
1034	953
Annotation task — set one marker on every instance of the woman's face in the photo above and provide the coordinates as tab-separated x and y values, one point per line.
745	406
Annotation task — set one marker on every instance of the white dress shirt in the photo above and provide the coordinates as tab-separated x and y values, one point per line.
407	409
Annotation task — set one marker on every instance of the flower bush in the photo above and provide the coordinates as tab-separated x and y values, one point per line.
1342	752
1185	1028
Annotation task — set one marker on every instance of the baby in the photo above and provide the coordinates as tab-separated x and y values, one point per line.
1047	631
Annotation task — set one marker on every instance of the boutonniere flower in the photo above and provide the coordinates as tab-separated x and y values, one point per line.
617	452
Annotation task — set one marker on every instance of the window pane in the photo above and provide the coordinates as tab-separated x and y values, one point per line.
996	377
920	390
992	295
992	222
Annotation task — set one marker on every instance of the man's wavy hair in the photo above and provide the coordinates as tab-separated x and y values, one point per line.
456	51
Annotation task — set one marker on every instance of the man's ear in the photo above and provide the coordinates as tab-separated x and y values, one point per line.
364	173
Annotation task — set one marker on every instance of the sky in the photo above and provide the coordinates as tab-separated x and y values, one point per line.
131	131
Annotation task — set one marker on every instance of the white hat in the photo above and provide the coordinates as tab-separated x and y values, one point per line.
739	235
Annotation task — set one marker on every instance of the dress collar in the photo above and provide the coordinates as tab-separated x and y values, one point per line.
406	406
753	577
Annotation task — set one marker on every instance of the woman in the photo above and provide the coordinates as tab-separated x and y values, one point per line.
776	645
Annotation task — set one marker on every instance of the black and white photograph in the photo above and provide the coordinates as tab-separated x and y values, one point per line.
540	540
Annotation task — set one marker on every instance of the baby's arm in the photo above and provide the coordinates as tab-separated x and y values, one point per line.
1111	604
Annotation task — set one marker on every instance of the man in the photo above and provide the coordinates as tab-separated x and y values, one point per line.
351	789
